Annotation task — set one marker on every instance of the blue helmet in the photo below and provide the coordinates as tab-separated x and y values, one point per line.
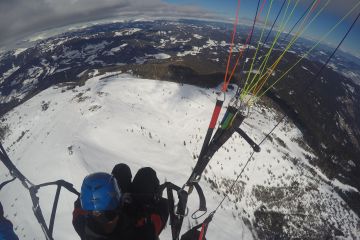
100	192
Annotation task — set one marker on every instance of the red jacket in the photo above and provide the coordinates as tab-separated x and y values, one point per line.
135	223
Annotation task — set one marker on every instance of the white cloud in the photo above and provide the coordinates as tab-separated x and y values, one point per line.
19	18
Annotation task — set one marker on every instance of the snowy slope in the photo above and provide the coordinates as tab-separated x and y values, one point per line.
68	133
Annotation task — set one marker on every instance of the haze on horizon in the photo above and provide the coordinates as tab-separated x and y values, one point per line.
22	18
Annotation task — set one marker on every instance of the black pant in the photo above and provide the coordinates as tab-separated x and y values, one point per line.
144	182
143	190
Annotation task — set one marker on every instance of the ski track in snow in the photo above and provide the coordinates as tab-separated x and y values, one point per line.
140	122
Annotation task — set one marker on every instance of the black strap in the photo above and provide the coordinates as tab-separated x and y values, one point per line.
204	226
33	189
37	210
219	139
248	139
62	183
178	213
39	215
195	234
6	182
211	128
202	199
176	216
12	169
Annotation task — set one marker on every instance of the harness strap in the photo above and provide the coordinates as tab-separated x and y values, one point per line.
203	231
194	232
220	137
212	125
255	146
6	182
12	168
205	226
48	230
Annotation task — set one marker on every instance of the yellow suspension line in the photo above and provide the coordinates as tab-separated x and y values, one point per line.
310	50
294	39
264	62
251	86
258	45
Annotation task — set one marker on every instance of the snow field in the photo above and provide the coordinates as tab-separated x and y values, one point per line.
68	133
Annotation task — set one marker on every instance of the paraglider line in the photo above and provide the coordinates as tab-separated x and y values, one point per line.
284	116
231	46
272	27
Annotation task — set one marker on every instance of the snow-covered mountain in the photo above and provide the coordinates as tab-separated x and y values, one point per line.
67	132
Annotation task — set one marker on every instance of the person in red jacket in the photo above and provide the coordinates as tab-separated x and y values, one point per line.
111	206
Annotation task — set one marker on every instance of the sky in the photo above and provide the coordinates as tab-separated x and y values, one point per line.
20	18
333	12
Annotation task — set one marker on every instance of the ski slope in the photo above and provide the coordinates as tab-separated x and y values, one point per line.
67	133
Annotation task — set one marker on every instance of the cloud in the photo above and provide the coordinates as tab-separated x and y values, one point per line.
19	18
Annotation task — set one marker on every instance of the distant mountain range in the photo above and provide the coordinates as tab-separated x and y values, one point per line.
195	52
